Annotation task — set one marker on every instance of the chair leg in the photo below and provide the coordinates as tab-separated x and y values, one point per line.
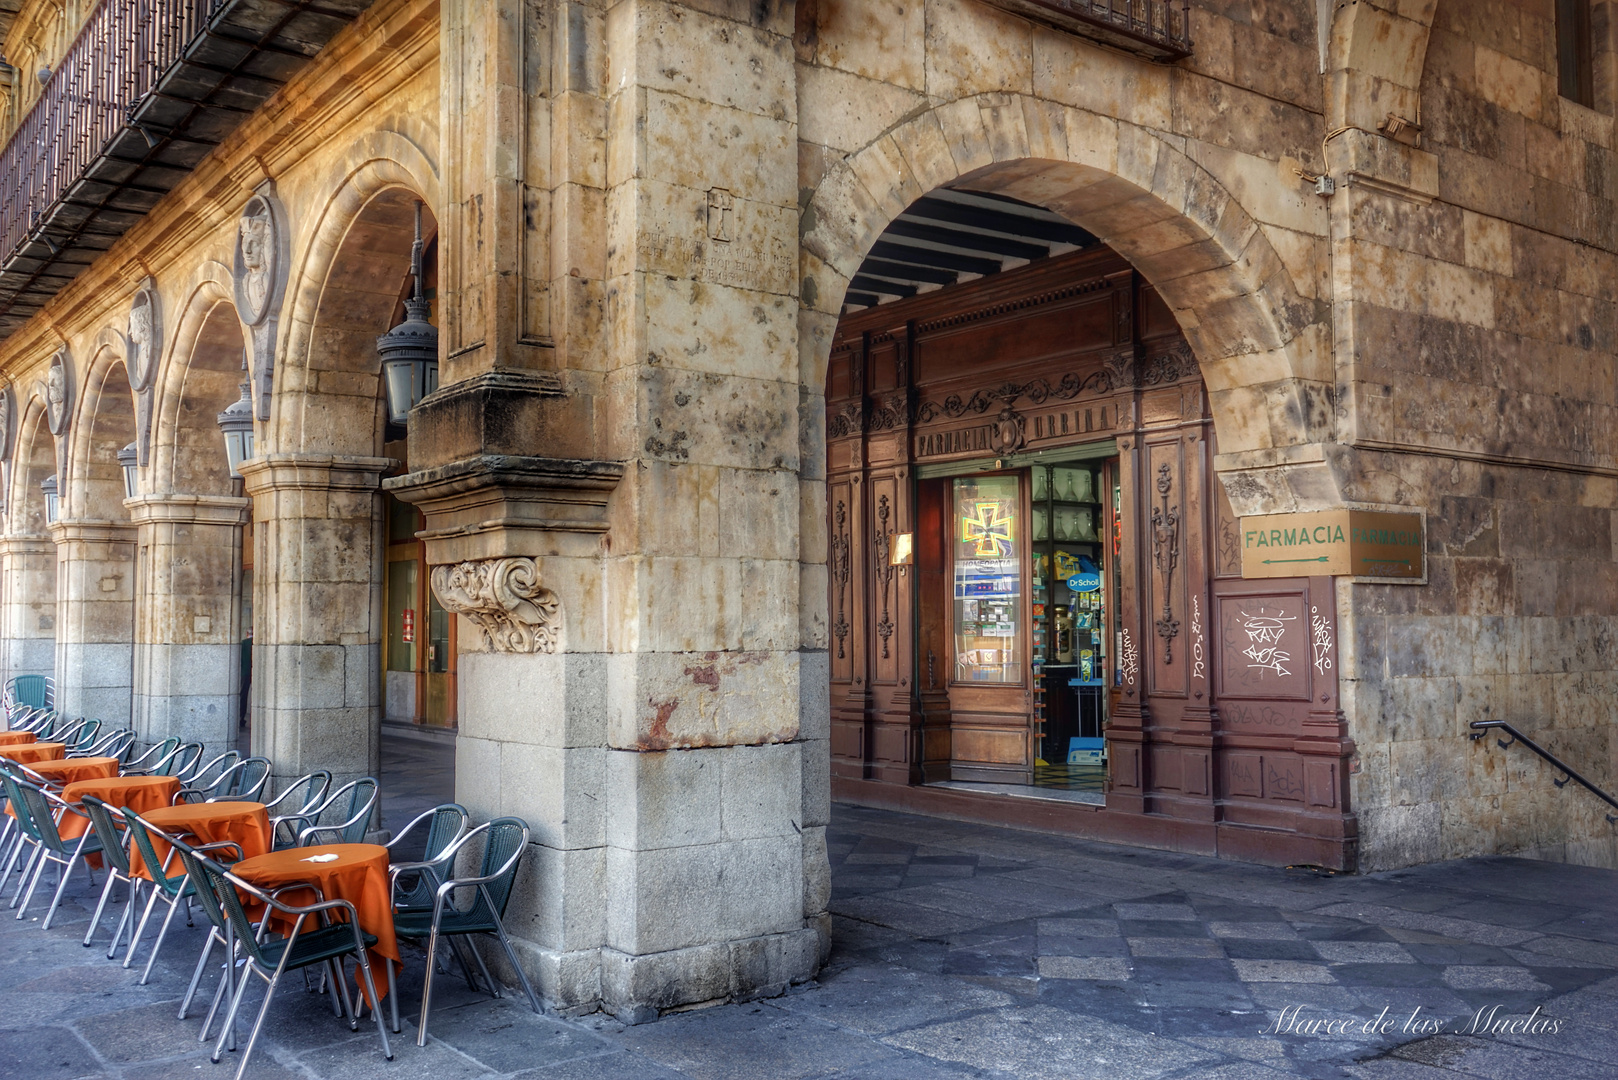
427	987
27	875
227	987
196	976
511	955
494	987
126	918
230	1013
101	905
258	1024
393	995
61	886
174	906
348	1002
134	941
44	861
376	1010
330	974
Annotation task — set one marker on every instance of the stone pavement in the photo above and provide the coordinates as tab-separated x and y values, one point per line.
968	951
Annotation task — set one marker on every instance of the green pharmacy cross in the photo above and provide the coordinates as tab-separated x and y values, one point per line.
990	530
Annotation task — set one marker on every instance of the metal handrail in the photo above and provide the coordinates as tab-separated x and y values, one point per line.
1479	726
118	57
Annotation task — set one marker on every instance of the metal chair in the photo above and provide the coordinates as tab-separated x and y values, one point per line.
41	809
298	798
181	762
340	819
115	853
243	781
143	764
270	959
35	691
445	825
111	744
205	774
505	840
175	890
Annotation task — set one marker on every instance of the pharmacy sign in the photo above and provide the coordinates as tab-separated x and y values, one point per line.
1341	543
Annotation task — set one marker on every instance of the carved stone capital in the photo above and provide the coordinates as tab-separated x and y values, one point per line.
505	597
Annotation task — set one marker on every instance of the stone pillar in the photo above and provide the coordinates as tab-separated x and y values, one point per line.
187	663
95	606
317	612
28	611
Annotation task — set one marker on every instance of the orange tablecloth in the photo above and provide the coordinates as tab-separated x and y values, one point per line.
15	738
141	794
29	753
67	770
246	823
358	875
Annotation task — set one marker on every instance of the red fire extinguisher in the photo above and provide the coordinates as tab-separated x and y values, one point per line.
409	626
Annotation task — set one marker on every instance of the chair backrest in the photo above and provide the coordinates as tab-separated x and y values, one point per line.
35	690
112	841
157	752
246	779
447	826
505	839
31	800
140	830
115	744
19	806
180	761
303	794
206	774
86	735
208	882
347	811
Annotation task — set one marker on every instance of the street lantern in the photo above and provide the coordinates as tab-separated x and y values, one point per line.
128	459
410	350
236	424
48	486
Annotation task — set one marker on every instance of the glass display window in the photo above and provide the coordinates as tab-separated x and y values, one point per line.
987	596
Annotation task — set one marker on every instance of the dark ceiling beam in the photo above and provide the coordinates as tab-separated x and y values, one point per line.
948	260
902	272
971	241
876	285
861	299
935	209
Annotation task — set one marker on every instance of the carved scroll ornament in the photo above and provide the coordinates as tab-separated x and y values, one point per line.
516	613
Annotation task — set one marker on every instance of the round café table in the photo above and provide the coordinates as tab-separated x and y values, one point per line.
141	794
30	753
359	875
16	738
67	770
244	823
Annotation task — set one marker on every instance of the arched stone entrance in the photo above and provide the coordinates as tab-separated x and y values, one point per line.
30	557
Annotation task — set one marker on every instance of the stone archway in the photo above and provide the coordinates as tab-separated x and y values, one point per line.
189	519
29	603
95	547
1264	349
319	543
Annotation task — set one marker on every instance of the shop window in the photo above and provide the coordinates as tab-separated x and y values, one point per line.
1574	60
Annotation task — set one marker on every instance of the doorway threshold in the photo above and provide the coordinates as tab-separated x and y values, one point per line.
1026	791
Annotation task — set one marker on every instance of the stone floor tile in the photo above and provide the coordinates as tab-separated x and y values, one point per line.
1268	950
1065	945
1465	977
880	999
1156	912
1183	969
914	919
144	1033
1253	931
617	1065
1288	971
505	1036
1363	952
362	1060
1201	948
1080	927
1044	1043
1084	967
46	1053
746	1042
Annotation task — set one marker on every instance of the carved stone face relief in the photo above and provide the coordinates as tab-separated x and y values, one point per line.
143	340
57	390
255	262
516	613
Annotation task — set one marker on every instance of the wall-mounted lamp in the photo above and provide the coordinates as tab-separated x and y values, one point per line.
410	350
128	460
236	424
48	486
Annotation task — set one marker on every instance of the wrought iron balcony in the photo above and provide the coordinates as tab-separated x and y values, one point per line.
1155	29
147	89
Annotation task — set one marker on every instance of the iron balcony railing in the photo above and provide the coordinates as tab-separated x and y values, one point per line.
1156	29
118	57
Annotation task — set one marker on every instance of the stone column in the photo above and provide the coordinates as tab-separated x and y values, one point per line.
317	612
95	606
27	611
187	664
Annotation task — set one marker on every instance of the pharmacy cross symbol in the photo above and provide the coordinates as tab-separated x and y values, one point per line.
990	531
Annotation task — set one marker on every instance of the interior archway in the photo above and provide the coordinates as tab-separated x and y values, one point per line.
30	587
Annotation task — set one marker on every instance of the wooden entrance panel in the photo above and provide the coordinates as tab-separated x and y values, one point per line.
1209	726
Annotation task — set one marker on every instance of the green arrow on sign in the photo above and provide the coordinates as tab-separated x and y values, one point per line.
1317	558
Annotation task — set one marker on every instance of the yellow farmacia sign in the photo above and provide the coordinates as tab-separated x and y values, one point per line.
1357	543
